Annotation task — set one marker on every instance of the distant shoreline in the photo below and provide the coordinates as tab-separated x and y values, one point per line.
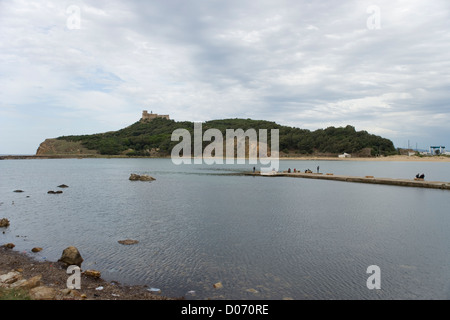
387	158
305	158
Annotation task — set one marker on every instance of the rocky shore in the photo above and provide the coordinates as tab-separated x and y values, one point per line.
22	277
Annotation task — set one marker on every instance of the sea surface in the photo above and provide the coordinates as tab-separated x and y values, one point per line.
260	237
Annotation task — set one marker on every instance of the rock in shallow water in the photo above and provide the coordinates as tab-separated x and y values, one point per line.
71	256
128	241
54	192
144	177
4	223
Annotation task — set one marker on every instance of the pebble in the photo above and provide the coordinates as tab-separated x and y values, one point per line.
128	241
252	290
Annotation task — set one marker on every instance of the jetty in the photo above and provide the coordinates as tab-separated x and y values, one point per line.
418	183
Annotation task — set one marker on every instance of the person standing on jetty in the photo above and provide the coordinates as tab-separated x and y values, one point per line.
318	169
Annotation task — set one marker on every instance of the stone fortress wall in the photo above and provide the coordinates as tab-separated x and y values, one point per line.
151	115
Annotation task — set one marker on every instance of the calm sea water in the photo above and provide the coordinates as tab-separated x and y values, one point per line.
262	238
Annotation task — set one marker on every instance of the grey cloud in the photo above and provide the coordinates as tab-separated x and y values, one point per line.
302	63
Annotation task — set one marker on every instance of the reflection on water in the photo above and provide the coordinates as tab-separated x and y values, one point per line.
262	238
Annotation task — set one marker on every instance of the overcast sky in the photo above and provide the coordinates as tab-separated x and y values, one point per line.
82	67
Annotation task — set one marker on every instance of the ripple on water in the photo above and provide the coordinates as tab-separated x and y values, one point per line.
262	238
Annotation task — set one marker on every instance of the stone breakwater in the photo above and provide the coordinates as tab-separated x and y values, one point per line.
367	179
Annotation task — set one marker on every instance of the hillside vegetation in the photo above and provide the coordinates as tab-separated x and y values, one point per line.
153	138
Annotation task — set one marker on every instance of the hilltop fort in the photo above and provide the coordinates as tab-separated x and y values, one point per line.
151	115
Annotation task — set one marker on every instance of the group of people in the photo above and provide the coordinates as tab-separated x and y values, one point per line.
306	171
289	170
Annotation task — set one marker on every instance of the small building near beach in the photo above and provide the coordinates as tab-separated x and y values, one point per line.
345	155
437	150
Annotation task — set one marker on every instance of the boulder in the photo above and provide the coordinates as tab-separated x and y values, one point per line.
71	256
28	284
4	223
36	249
16	284
144	177
92	273
18	190
9	278
54	192
9	245
63	186
43	293
134	177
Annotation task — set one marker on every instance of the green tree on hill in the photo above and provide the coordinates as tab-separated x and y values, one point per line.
141	137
